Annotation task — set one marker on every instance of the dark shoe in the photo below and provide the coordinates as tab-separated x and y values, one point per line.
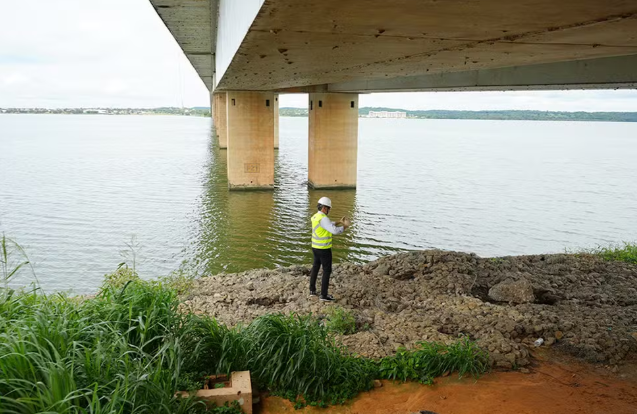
313	294
328	298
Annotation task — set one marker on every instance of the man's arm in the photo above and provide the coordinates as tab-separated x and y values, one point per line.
328	225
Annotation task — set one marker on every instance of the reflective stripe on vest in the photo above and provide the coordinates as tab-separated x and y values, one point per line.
321	238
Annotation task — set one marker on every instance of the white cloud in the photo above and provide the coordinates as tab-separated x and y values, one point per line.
92	53
70	53
14	79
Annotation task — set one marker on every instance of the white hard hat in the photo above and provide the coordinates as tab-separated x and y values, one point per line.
325	202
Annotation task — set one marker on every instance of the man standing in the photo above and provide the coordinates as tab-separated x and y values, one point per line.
322	231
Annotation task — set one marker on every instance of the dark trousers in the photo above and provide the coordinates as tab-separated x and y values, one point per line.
322	257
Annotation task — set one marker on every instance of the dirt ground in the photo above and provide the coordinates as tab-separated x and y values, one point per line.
553	385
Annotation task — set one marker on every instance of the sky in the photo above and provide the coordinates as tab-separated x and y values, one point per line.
118	53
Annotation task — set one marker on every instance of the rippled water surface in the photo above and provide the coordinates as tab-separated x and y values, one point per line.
74	190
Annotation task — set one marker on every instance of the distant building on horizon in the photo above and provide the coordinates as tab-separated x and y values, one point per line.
387	114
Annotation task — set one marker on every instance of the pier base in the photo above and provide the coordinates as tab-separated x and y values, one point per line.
333	140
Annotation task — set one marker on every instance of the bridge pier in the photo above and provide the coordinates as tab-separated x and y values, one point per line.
276	121
333	140
250	137
219	118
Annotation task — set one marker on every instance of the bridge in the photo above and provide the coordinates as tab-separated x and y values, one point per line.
249	51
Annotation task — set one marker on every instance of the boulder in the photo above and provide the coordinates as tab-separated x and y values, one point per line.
381	270
512	291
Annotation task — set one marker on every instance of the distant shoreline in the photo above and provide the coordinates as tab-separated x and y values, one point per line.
503	115
196	111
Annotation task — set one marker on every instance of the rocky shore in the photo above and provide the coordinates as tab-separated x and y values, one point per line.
578	304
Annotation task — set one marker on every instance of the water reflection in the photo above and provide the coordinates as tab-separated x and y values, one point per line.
241	230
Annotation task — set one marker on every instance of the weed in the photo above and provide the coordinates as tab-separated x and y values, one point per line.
625	252
432	359
340	321
120	277
180	281
13	259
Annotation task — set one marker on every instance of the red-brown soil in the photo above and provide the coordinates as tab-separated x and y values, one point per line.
552	386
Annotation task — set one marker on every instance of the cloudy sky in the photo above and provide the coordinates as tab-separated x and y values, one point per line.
117	53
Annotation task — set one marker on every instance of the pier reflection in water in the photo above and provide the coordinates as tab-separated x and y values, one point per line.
240	230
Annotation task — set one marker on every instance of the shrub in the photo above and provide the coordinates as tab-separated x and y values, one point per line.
626	252
340	321
432	359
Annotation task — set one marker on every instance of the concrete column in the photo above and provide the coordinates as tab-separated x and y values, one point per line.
250	131
276	121
333	140
220	118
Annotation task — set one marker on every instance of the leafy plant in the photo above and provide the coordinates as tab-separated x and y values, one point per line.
625	252
340	321
120	277
433	359
180	281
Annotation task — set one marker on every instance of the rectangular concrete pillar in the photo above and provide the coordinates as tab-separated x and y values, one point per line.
333	140
220	118
250	131
276	121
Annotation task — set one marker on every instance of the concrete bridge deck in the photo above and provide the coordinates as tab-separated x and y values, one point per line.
309	45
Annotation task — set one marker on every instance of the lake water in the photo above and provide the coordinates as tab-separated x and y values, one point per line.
75	190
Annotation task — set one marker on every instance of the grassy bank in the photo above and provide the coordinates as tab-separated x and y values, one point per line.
129	349
625	252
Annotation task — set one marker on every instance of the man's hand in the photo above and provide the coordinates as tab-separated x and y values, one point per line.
346	222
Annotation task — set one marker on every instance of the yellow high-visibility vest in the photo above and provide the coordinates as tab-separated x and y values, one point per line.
321	238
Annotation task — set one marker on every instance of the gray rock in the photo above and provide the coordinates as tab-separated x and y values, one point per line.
513	291
381	270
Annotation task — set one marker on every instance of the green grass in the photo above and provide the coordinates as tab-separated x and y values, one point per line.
340	321
625	252
430	360
129	349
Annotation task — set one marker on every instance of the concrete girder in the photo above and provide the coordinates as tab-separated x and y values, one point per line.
602	73
193	24
294	44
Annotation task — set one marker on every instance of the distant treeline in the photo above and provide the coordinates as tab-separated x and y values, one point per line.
495	115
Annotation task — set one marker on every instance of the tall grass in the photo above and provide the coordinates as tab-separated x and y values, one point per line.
430	360
13	259
120	352
129	349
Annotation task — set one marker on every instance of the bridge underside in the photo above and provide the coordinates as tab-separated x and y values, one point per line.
307	46
294	44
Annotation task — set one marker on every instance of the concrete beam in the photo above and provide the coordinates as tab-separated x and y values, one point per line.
603	73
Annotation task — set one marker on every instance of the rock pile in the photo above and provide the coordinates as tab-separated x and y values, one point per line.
578	303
